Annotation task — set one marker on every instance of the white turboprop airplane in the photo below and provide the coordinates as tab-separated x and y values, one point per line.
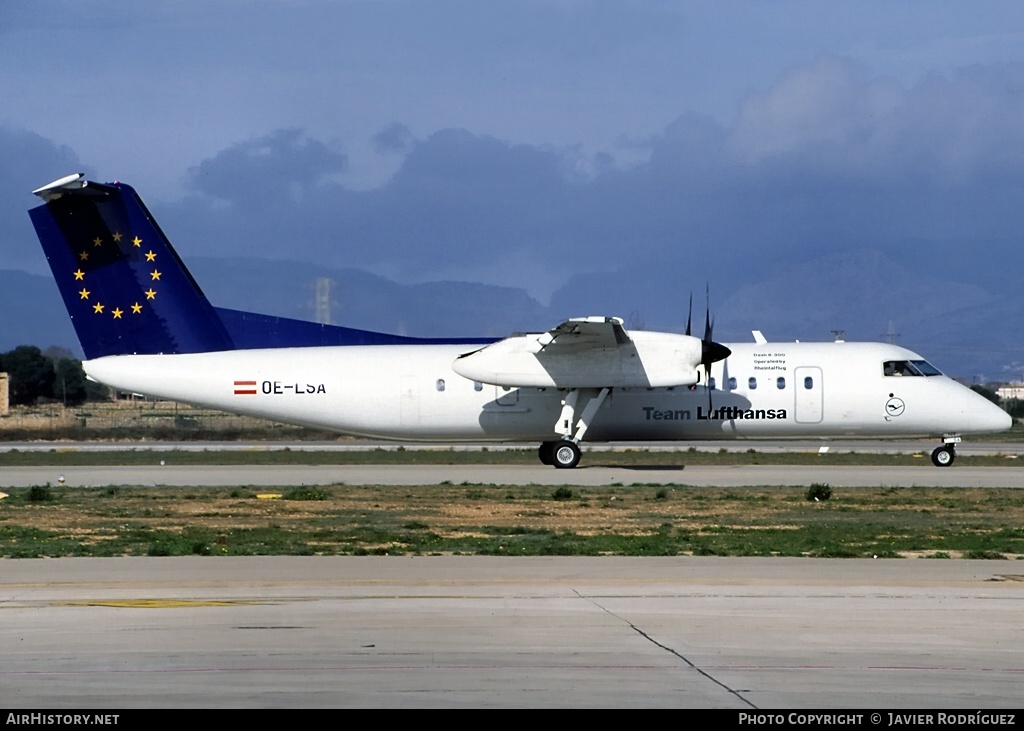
146	327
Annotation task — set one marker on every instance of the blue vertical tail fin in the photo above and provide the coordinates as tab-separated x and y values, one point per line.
128	292
124	286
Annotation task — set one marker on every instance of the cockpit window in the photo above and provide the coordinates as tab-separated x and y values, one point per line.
909	368
926	368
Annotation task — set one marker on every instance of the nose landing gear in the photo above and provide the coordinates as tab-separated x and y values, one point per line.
943	456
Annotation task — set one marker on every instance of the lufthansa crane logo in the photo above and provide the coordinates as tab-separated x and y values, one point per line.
894	407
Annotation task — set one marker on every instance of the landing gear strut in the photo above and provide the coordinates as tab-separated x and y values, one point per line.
943	456
565	453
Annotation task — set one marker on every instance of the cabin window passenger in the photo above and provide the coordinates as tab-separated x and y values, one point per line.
752	383
780	383
440	384
732	383
711	384
808	383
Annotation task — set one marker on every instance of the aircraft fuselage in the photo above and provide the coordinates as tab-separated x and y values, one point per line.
410	392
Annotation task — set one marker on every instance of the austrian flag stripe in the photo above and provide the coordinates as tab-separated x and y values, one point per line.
245	388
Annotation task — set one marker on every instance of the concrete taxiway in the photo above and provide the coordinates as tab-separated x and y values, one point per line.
504	632
171	475
451	631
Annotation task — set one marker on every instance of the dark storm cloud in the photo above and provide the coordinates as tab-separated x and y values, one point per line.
396	137
458	198
471	194
278	167
829	158
833	156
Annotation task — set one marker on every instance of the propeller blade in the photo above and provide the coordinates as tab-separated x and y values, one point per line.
689	314
710	351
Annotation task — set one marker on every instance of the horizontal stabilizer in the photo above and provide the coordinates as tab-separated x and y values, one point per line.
69	183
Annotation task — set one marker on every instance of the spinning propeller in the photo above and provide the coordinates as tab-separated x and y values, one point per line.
710	351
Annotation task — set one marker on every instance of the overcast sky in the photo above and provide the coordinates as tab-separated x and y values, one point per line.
520	143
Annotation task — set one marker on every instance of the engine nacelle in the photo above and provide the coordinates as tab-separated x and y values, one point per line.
647	360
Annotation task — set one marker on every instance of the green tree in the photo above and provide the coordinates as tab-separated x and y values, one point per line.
69	383
96	391
31	374
987	393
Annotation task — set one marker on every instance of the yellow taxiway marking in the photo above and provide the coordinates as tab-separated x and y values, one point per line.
164	603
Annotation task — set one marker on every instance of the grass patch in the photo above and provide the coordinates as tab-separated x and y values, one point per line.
818	491
39	494
520	520
306	493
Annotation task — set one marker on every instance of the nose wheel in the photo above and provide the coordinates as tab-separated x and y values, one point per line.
943	456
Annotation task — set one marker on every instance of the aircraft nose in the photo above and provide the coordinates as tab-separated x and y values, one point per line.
987	417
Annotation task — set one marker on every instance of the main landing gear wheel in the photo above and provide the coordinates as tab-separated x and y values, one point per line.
943	456
565	455
547	452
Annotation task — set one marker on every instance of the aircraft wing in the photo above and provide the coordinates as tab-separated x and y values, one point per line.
584	333
585	352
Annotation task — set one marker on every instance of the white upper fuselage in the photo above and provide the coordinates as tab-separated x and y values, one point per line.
412	392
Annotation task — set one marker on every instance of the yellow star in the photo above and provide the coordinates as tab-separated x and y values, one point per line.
84	256
117	237
97	308
155	274
84	293
136	308
97	241
150	256
79	275
150	294
117	312
136	242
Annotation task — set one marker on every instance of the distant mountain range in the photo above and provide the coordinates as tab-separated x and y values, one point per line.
964	328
